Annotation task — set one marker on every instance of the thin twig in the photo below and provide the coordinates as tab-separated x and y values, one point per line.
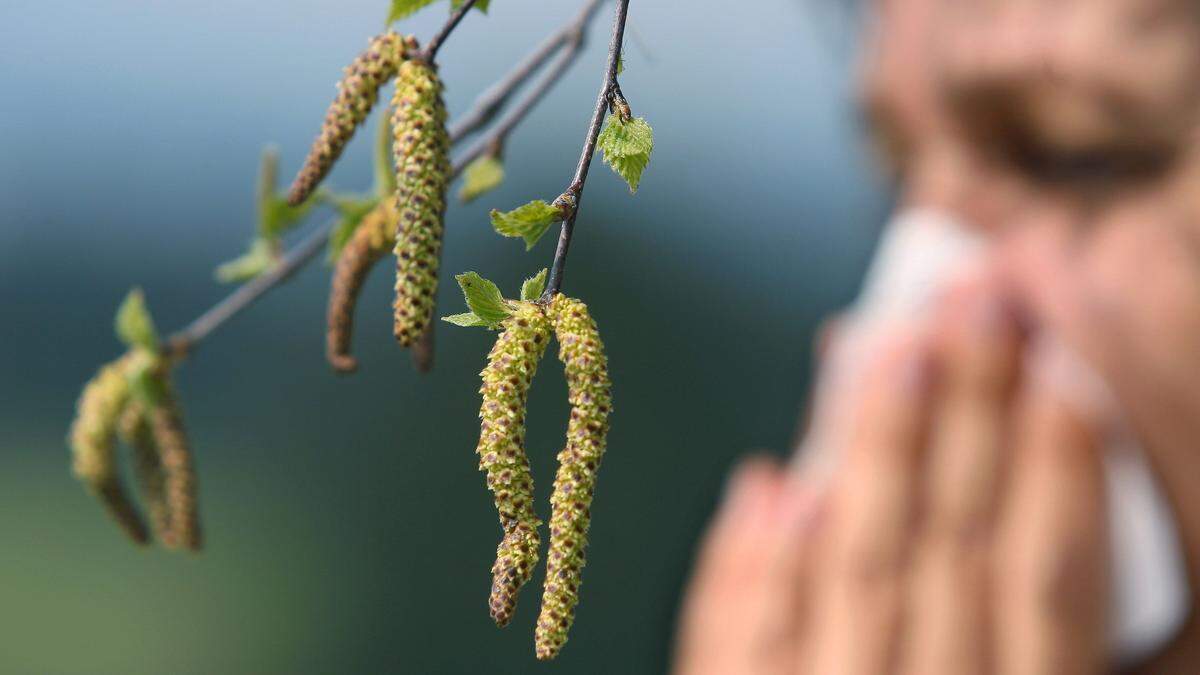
309	248
489	143
183	341
488	103
436	41
575	190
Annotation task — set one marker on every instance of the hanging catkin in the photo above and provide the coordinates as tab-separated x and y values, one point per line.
588	387
373	239
134	430
179	475
421	152
93	443
506	379
357	92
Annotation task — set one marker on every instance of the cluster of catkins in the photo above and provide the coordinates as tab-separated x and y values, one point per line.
506	380
132	399
410	225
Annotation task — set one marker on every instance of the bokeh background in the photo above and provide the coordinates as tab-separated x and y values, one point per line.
348	528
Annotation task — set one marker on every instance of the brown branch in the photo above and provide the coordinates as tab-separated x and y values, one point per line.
608	90
436	41
309	248
488	103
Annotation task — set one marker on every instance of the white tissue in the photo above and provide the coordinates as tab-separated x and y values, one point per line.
923	251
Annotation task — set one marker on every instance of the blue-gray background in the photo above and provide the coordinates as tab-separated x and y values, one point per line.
348	529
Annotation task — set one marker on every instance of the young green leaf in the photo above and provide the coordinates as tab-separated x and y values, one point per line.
259	258
481	176
484	299
385	171
481	5
528	221
134	326
402	9
627	147
532	288
144	380
466	319
351	211
274	215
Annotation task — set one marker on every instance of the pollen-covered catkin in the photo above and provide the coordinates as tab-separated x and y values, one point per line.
372	240
506	379
179	474
134	430
421	149
93	444
589	393
357	92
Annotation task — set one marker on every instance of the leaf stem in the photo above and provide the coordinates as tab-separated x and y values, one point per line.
607	88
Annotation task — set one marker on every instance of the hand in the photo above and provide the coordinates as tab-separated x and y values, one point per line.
1124	289
963	531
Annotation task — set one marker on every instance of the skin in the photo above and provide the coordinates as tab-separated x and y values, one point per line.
965	532
1113	271
890	569
1062	85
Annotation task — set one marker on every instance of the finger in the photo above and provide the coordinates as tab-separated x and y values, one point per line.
1050	590
1131	309
949	589
715	628
739	611
856	616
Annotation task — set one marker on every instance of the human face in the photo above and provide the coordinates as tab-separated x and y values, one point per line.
1096	86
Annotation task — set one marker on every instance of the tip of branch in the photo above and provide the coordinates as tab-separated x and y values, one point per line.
422	352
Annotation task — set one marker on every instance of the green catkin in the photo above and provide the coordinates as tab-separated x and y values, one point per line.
586	369
506	379
357	92
135	431
421	152
93	443
179	474
373	239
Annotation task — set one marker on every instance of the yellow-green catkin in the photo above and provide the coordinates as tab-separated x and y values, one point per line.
421	150
179	473
373	239
93	438
589	392
506	379
358	91
135	431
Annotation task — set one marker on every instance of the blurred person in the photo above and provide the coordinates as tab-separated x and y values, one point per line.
1063	116
889	567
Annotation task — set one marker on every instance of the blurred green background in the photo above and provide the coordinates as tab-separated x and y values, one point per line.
348	528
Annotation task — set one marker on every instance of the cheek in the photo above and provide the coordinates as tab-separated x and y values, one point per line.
1152	73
